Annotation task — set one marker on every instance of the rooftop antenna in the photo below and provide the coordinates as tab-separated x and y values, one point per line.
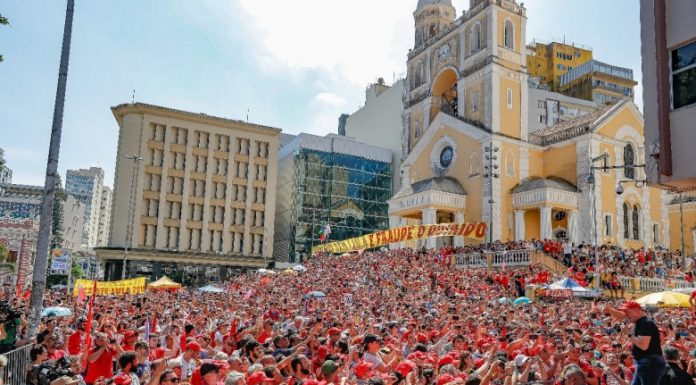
133	97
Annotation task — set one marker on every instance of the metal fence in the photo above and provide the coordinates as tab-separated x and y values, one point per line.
512	258
18	362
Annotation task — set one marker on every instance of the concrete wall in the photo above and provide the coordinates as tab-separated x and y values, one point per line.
379	123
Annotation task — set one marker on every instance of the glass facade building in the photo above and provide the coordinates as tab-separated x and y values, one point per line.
340	187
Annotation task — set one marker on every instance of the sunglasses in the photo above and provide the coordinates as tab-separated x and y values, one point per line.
174	380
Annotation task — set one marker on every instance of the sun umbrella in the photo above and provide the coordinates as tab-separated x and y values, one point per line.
665	299
521	301
315	294
289	271
266	271
211	289
56	311
300	268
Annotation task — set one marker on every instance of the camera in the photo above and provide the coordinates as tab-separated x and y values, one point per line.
49	371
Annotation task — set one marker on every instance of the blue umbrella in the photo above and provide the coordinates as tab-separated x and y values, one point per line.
315	294
505	300
521	300
56	311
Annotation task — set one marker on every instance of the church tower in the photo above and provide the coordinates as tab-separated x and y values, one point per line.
431	17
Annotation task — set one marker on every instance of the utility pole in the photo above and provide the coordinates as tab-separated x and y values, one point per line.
38	285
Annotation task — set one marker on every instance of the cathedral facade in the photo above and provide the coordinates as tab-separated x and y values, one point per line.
469	154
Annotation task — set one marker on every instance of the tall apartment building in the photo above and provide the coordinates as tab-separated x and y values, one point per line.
668	36
5	171
104	217
73	223
86	185
548	108
571	70
331	180
203	193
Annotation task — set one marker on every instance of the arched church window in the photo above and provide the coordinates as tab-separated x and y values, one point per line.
474	164
509	33
626	222
433	30
629	160
419	74
418	130
509	163
636	224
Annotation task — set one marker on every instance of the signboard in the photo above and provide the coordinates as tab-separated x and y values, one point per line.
127	286
61	263
471	230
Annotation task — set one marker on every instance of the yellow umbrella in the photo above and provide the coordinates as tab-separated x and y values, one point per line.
665	299
290	271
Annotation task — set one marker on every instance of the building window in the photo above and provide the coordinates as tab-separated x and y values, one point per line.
605	163
417	130
510	164
684	76
474	101
629	162
560	215
509	33
475	38
542	119
626	222
656	233
509	98
636	224
607	226
561	234
542	104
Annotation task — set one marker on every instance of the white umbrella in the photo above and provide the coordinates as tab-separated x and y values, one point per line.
266	271
300	268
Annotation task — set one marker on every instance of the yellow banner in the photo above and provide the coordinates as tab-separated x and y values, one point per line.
472	230
127	286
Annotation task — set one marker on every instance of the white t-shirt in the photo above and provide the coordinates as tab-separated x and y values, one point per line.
567	248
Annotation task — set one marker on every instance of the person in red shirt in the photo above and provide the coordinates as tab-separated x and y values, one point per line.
100	359
129	339
188	332
75	339
51	343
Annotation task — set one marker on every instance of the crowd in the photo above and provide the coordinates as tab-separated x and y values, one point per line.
384	318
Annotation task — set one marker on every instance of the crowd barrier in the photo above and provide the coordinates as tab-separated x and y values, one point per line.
18	362
498	259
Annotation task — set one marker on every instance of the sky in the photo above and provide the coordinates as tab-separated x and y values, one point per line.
292	64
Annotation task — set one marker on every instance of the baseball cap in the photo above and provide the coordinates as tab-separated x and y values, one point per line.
193	346
122	379
334	331
520	360
405	367
258	377
369	338
445	379
630	305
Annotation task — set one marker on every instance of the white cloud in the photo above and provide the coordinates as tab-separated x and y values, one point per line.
330	99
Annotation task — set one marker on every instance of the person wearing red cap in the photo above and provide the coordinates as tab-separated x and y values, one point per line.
259	378
647	347
129	339
186	362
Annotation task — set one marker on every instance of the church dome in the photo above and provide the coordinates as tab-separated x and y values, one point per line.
423	3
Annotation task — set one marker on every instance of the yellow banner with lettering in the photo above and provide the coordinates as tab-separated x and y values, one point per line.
471	230
126	286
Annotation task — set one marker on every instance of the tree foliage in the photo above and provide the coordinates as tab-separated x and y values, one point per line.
57	223
3	21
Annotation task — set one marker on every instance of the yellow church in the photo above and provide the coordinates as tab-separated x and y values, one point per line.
470	155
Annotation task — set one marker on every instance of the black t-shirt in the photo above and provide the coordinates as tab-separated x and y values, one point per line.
646	327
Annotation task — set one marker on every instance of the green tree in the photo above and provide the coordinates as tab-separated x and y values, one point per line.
4	253
3	21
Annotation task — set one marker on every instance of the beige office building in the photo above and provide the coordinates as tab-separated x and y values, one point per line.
203	193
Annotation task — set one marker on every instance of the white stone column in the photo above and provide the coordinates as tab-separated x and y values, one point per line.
573	228
459	218
394	222
520	232
429	218
546	232
404	222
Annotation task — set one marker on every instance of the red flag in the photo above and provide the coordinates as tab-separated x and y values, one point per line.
81	294
27	294
88	332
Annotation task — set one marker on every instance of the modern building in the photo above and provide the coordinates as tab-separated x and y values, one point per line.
331	180
571	70
202	192
682	213
87	185
668	36
104	217
600	82
5	171
472	156
553	108
379	123
73	223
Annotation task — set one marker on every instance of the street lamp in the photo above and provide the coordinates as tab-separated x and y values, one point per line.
491	172
129	226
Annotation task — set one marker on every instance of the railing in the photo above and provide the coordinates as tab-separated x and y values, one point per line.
651	285
626	282
475	59
498	259
18	362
